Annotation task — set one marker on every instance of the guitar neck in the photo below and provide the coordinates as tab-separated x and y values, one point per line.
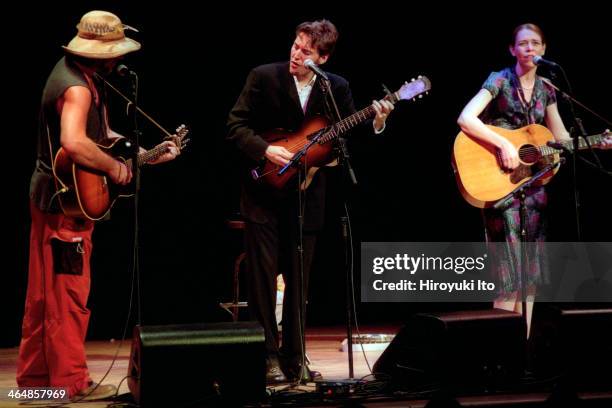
151	155
593	141
355	119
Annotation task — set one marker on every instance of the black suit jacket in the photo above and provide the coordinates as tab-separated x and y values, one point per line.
269	100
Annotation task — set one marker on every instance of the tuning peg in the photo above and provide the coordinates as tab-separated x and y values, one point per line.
405	82
420	76
413	99
412	80
386	90
420	96
427	93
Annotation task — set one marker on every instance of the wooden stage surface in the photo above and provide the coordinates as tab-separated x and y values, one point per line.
323	349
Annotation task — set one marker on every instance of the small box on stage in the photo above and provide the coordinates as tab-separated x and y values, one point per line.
573	343
468	351
338	388
198	363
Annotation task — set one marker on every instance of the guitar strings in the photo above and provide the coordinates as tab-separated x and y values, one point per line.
346	122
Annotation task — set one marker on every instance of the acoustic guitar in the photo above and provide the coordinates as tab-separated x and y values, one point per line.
89	193
477	164
315	135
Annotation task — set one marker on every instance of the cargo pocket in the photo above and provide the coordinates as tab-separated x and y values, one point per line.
67	257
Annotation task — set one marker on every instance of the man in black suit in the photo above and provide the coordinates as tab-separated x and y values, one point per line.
285	95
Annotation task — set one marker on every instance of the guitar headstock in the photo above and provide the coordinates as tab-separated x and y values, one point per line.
414	88
179	138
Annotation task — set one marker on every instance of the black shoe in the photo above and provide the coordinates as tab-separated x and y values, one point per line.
274	374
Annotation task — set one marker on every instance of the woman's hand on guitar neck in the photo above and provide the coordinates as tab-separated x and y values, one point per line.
278	155
508	155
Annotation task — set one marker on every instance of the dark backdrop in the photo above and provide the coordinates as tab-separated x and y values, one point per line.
192	67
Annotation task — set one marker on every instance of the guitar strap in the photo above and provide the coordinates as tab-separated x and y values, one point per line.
50	146
58	182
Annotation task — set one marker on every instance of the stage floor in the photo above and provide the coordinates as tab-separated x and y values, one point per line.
324	351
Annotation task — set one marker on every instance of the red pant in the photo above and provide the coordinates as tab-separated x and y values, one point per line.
52	350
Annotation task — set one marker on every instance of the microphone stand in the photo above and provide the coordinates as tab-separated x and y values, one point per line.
136	175
577	130
343	159
304	374
345	163
502	204
134	148
122	71
134	145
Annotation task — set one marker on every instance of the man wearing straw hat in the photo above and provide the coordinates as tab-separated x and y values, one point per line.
72	116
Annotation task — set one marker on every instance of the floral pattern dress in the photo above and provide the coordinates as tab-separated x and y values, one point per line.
510	110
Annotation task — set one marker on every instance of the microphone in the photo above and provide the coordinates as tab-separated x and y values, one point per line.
122	70
541	61
315	68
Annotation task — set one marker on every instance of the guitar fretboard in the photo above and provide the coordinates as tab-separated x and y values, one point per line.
356	118
594	141
150	155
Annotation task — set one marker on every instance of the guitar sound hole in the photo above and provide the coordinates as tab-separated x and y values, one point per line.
529	154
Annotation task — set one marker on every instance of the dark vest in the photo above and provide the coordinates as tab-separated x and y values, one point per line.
64	75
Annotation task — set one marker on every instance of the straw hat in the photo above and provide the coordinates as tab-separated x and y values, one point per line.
101	36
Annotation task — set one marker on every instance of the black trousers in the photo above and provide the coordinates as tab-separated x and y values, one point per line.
272	249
